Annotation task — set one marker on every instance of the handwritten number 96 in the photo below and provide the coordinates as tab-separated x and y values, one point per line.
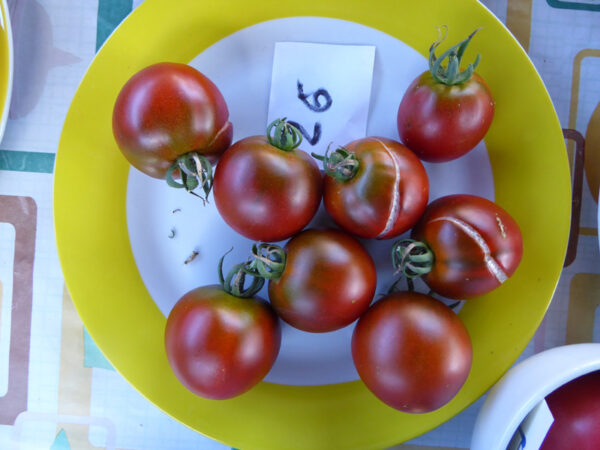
318	101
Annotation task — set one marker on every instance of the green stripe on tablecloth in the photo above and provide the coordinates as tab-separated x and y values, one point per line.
582	6
110	15
26	161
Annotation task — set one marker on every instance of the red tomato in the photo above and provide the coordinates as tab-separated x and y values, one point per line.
443	113
575	407
412	352
476	245
218	345
265	190
382	194
167	110
329	280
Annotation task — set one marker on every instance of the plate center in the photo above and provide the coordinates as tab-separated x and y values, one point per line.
166	226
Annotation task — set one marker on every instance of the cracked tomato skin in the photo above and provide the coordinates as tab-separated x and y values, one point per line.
265	193
329	280
218	345
412	351
441	123
463	268
385	197
167	110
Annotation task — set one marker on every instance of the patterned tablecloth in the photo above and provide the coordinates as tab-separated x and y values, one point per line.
56	389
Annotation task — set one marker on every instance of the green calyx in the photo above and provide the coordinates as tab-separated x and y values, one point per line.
195	172
412	258
341	164
283	135
267	263
451	74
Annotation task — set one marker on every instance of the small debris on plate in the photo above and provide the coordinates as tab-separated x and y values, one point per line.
191	257
172	235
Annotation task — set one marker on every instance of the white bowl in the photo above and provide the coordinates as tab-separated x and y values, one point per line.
524	386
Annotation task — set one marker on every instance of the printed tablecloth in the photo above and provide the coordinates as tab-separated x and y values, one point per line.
56	389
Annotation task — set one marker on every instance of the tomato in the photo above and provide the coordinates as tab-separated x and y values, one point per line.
575	407
266	188
445	113
168	110
412	352
222	340
375	188
474	246
327	282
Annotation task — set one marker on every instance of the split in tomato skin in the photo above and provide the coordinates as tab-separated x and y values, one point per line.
218	344
412	352
445	113
375	188
473	247
328	281
264	192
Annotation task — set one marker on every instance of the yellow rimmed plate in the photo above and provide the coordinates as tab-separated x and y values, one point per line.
6	65
531	178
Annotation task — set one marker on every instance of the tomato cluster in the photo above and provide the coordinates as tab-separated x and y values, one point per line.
410	349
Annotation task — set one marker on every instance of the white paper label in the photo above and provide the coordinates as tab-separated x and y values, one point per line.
533	429
324	89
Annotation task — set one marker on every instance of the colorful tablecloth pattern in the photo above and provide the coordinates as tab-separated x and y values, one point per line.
56	389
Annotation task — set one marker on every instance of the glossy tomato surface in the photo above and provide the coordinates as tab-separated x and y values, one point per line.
328	282
219	346
476	244
265	193
167	110
575	407
412	351
385	197
441	123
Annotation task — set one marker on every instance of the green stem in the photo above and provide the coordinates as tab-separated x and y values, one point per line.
451	74
269	261
412	258
283	135
342	164
195	172
235	281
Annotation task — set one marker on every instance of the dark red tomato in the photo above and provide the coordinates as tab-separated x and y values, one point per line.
412	352
444	115
576	411
218	345
329	280
476	245
264	192
383	195
167	110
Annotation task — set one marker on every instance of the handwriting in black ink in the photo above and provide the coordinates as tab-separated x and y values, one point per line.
316	132
316	104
